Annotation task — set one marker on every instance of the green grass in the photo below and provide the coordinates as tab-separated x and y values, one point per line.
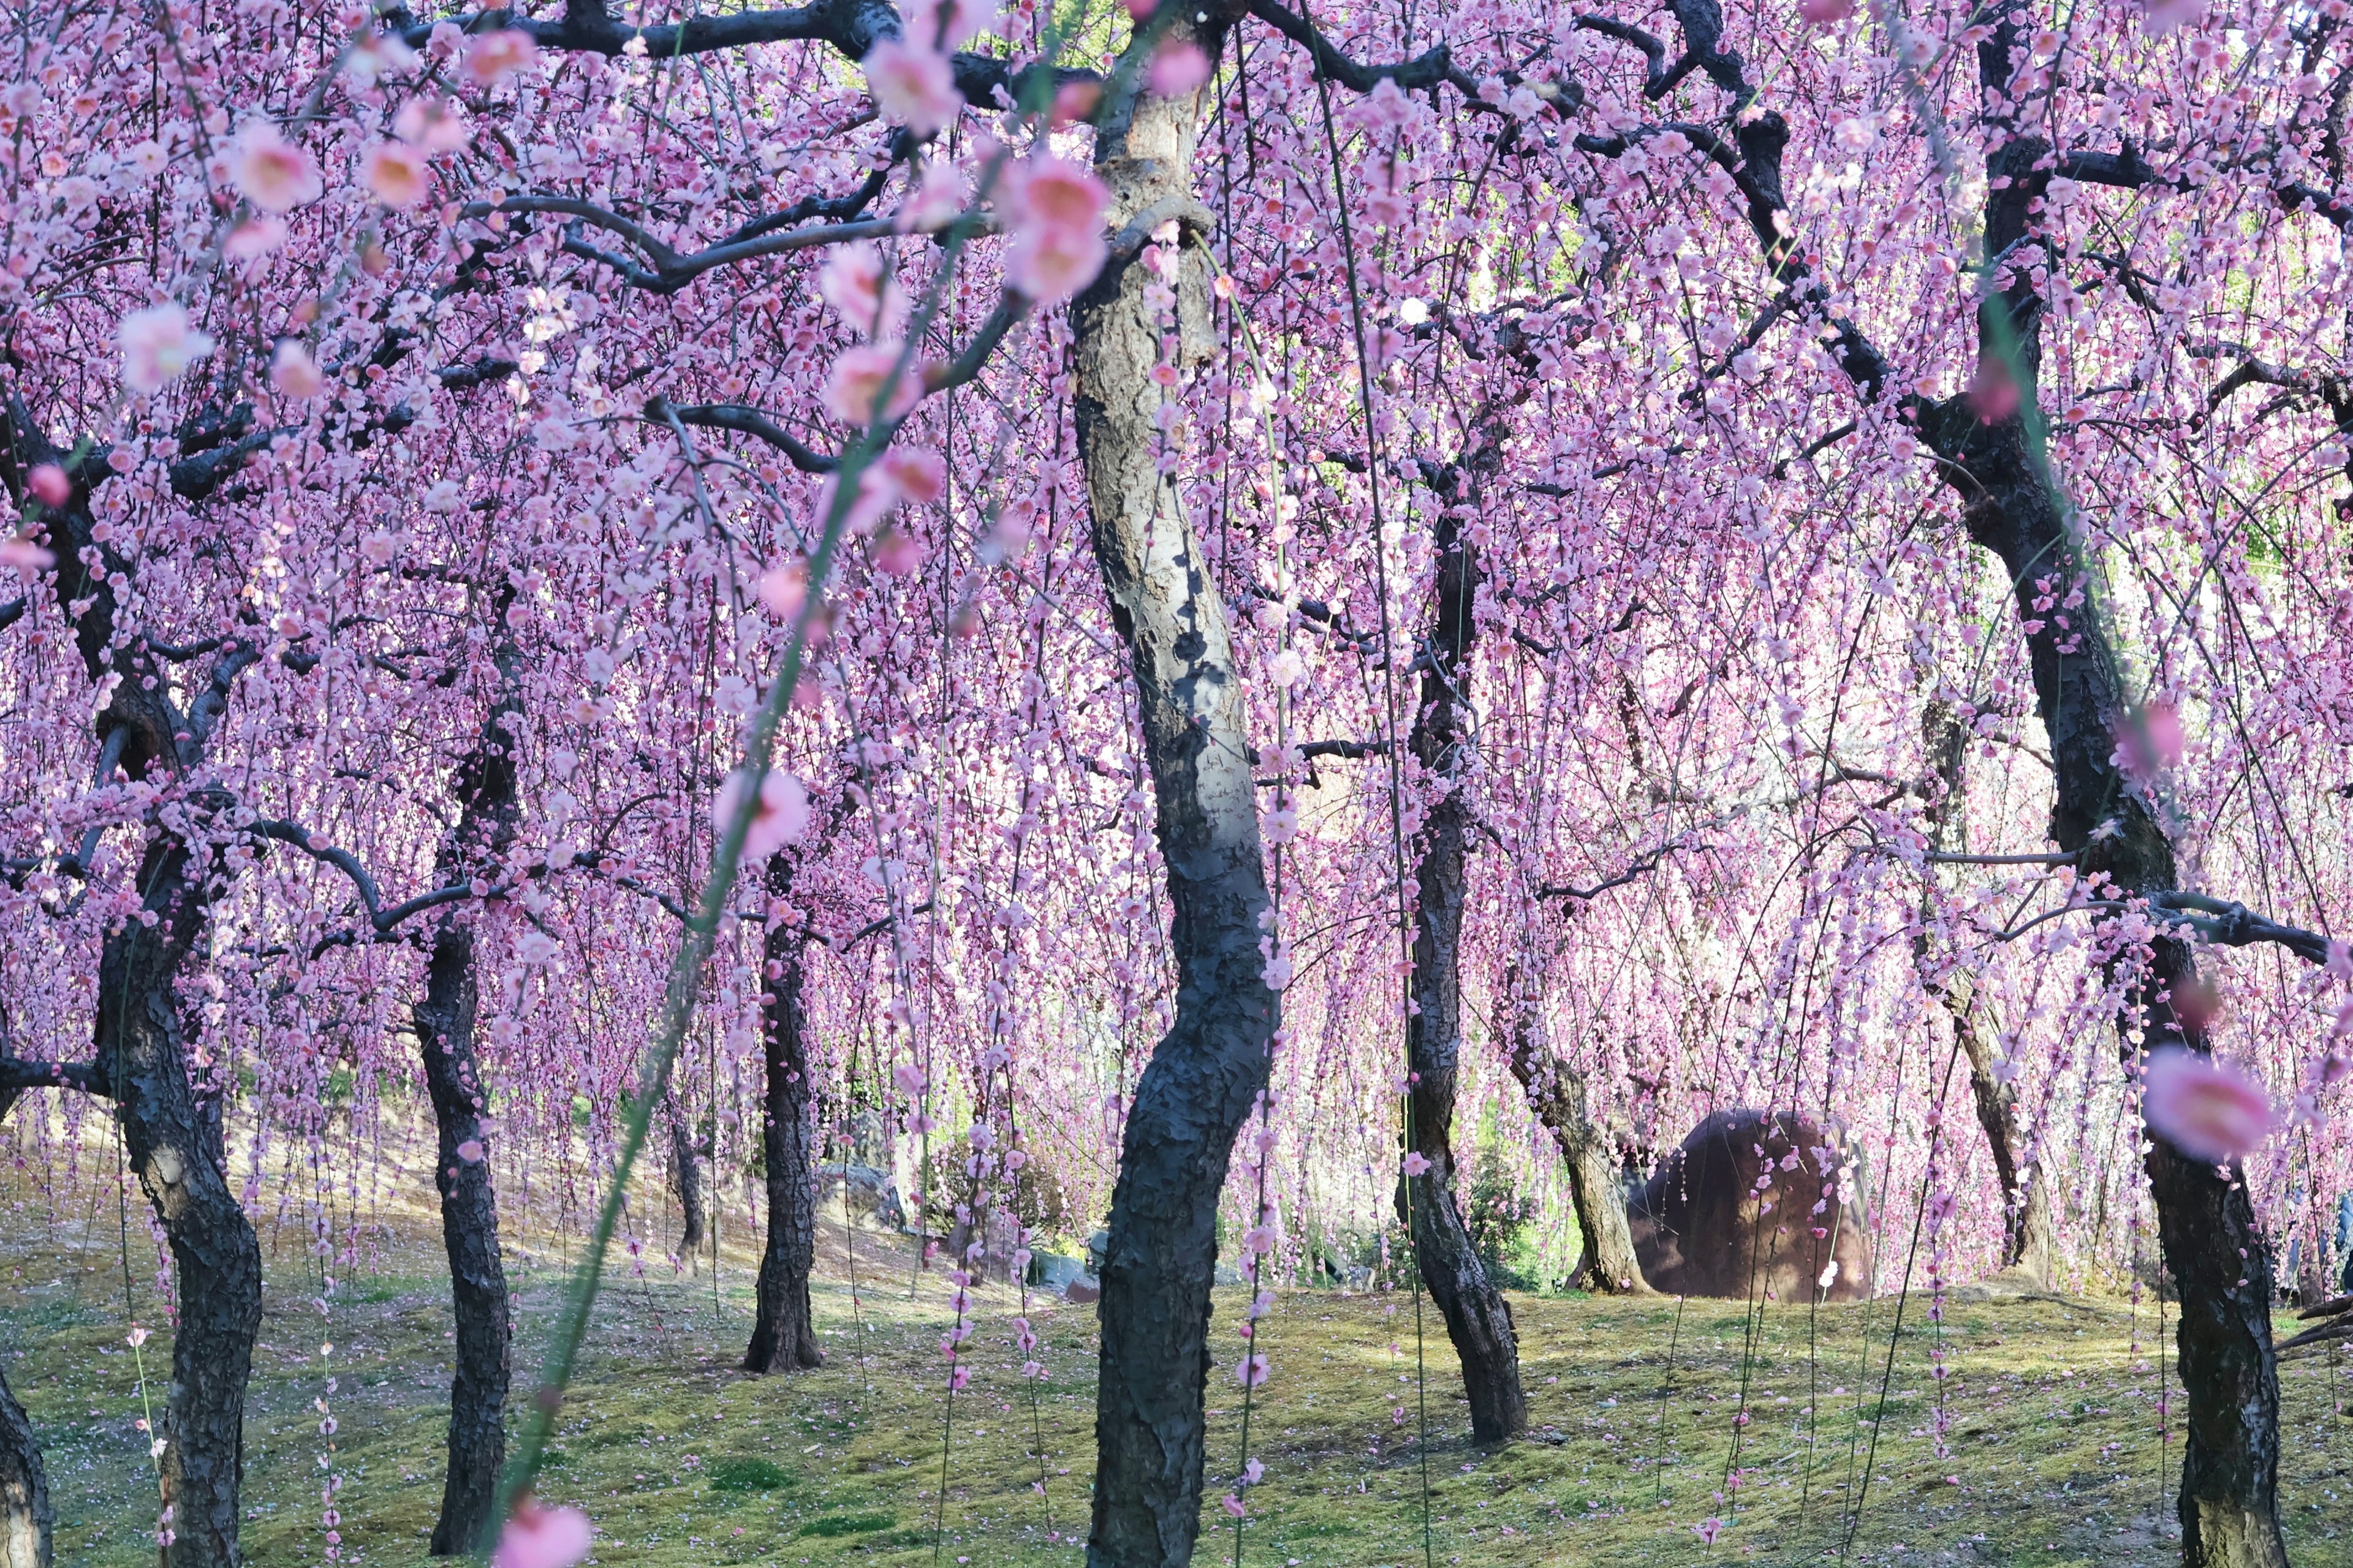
681	1460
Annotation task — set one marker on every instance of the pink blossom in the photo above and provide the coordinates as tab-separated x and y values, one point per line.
1250	1371
1822	13
949	24
917	473
270	172
293	371
537	1537
2209	1111
914	86
1055	212
898	554
1177	67
255	238
857	283
1075	101
783	590
859	377
158	344
491	57
1233	1505
1417	1163
20	553
434	124
779	817
395	173
470	1151
49	485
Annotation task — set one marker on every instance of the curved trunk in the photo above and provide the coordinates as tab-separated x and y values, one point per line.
2217	1254
687	1173
24	1517
1478	1319
2026	1199
1207	1070
469	1235
1596	1185
174	1144
445	1022
784	1338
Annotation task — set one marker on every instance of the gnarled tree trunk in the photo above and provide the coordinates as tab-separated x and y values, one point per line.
1161	1257
2213	1246
1478	1319
174	1144
445	1021
686	1171
2026	1199
1556	1093
26	1519
784	1338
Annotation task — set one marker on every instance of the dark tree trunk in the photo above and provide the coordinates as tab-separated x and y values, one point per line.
174	1144
687	1173
444	1024
1478	1319
2217	1255
1597	1183
469	1235
2026	1198
171	1130
1207	1070
24	1517
784	1338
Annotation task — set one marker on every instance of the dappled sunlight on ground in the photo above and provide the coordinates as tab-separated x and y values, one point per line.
681	1459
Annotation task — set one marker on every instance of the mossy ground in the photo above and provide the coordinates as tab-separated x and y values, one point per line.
681	1459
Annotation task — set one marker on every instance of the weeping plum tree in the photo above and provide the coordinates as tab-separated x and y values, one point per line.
632	329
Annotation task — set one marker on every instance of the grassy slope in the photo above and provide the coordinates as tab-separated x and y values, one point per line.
2054	1454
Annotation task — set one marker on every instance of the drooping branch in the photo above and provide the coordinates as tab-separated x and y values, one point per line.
747	421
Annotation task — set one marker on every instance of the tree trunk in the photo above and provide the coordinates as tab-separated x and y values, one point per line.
444	1024
2026	1199
1478	1319
174	1144
469	1235
686	1173
173	1134
1556	1093
784	1338
1209	1070
25	1516
2216	1253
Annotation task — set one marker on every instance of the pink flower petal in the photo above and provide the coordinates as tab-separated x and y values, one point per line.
2209	1111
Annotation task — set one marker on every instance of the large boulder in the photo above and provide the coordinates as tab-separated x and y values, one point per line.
1755	1204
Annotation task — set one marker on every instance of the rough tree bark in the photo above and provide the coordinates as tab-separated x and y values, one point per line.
1988	457
1161	1256
1478	1319
445	1021
171	1124
1556	1093
784	1338
686	1173
2217	1254
2026	1198
26	1519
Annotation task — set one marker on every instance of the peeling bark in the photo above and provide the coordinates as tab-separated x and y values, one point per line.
25	1517
1478	1319
1190	1101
